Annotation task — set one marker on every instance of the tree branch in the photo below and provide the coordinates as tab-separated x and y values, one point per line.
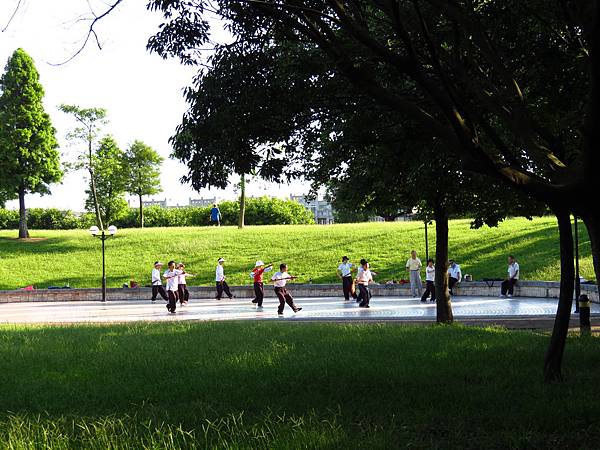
91	33
12	16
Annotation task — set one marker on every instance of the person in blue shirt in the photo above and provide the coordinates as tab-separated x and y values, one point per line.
215	216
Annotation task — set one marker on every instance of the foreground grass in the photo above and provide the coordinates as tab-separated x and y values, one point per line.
312	252
259	385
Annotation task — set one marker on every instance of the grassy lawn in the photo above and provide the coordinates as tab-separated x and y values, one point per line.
312	252
259	385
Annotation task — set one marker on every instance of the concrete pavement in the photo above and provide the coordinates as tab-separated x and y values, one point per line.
466	309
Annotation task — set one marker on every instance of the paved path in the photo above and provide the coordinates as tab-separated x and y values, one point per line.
382	308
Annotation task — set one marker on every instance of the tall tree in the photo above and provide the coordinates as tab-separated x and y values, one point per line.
526	117
111	178
310	122
142	164
30	160
241	222
90	122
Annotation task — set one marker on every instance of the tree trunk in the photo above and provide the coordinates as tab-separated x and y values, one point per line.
93	183
553	359
141	212
108	209
242	201
444	305
592	223
23	231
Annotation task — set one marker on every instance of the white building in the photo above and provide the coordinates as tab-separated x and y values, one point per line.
161	203
202	201
321	209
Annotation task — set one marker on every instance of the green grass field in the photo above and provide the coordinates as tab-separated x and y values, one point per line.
275	386
312	251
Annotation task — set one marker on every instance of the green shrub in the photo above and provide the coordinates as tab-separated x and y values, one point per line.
51	219
9	219
272	211
86	220
259	211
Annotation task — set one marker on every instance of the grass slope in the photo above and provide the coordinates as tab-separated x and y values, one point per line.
259	385
312	252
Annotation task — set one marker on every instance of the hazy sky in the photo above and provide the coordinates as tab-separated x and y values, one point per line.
141	91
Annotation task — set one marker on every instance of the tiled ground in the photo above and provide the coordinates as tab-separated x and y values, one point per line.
382	308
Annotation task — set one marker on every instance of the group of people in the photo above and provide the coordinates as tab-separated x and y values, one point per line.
413	266
279	280
175	277
364	276
355	287
177	290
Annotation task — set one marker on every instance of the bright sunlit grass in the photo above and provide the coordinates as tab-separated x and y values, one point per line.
312	252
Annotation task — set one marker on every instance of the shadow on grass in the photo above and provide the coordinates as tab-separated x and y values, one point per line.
400	382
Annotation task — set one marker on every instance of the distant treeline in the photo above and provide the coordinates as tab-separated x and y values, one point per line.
259	211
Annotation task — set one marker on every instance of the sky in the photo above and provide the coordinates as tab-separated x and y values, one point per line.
141	91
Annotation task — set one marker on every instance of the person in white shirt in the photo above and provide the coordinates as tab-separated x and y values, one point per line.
280	279
363	277
508	284
413	265
172	277
157	286
429	281
220	281
454	275
344	272
182	290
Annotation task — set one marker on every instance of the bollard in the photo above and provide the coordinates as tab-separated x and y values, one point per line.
585	328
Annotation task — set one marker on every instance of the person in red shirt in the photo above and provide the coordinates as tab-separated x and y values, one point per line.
257	275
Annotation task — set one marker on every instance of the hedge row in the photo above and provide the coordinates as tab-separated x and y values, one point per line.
259	211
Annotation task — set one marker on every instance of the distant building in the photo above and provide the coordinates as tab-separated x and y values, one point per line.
202	201
401	218
321	209
161	203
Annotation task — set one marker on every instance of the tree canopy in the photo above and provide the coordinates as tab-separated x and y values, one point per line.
86	133
142	167
30	160
110	181
503	86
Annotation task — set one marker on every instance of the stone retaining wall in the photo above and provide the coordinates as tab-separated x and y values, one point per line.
475	288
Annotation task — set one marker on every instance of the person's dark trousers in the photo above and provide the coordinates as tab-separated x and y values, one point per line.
364	295
159	290
172	301
451	282
223	286
347	287
429	289
259	293
507	286
284	297
183	293
359	297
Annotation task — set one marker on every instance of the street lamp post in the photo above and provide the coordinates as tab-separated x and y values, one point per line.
101	234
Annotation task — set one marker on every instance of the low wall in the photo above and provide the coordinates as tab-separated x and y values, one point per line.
547	289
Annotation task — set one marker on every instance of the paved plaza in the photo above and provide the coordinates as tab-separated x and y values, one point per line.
324	308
